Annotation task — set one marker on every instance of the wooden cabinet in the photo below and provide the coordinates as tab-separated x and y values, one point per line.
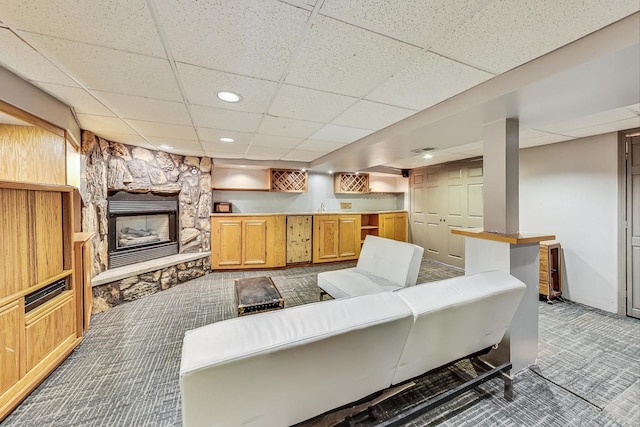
350	183
83	276
550	269
299	238
36	236
393	226
248	241
336	237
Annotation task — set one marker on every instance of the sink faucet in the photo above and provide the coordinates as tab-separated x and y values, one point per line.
321	207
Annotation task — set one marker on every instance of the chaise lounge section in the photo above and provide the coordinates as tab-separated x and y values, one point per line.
384	265
283	367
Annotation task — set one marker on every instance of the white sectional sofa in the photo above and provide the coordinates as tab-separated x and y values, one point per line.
384	265
283	367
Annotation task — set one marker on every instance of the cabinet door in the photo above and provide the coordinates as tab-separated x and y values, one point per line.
387	226
11	339
16	269
254	241
227	248
400	227
349	237
325	245
48	234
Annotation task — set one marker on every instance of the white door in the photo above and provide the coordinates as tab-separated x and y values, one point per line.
633	230
417	216
452	197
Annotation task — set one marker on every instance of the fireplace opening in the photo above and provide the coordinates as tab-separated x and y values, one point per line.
141	227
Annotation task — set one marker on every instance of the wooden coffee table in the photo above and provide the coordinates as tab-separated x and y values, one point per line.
256	294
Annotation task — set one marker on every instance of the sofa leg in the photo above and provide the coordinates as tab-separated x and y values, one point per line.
322	293
508	387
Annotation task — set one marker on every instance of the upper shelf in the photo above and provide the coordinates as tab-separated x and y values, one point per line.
277	180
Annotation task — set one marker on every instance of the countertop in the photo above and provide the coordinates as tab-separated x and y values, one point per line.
305	213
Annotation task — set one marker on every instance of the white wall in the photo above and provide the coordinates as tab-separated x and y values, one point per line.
570	189
320	190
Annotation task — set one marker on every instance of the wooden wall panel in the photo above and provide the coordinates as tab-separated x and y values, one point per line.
12	332
15	265
48	234
31	154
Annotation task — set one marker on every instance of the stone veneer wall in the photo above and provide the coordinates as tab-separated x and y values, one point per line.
131	288
114	166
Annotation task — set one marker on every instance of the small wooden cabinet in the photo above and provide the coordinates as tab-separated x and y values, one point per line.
248	241
550	269
336	237
12	333
394	226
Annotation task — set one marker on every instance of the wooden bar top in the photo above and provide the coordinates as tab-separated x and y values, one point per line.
514	239
345	212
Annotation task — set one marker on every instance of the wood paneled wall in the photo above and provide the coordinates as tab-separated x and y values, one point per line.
31	154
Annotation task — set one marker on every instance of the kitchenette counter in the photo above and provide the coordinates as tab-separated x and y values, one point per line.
342	212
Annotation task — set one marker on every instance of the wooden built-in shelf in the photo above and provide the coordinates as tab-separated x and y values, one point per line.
514	239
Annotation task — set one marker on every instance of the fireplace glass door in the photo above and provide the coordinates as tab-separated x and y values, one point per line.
139	230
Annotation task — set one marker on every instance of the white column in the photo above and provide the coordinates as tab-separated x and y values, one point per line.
501	145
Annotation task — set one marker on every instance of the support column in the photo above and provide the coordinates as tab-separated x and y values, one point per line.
501	145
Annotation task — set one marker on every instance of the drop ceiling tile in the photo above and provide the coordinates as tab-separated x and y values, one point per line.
417	22
202	85
265	153
275	141
588	121
282	126
530	133
340	58
523	30
98	124
237	148
84	21
224	155
26	62
426	81
179	145
149	109
164	130
252	38
81	101
372	115
598	129
302	156
308	104
126	138
319	146
340	133
225	119
214	135
111	70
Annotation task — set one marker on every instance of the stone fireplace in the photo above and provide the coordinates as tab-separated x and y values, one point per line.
141	190
141	227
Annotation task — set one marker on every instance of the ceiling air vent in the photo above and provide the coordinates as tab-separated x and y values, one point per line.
422	150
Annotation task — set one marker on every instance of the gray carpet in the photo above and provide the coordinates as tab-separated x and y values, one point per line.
125	372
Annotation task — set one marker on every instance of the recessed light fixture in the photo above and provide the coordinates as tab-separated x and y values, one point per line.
165	146
427	156
357	172
227	96
227	139
303	170
330	172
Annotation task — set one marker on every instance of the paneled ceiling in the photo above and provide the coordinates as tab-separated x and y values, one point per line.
324	83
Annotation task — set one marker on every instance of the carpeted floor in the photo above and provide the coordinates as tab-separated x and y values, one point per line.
125	372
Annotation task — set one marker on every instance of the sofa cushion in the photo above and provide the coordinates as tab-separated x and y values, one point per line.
398	262
353	281
283	367
455	318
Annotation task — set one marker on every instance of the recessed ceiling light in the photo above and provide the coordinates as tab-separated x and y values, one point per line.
357	172
227	139
427	156
303	170
165	146
330	171
229	96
